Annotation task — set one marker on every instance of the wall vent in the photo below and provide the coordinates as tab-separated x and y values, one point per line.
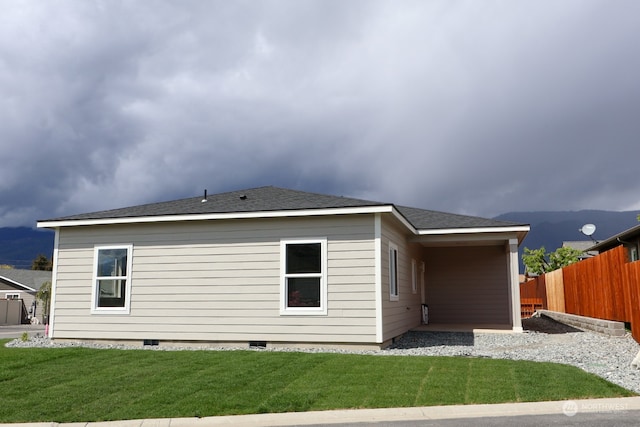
150	342
257	344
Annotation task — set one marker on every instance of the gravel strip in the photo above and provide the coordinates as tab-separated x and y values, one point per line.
544	340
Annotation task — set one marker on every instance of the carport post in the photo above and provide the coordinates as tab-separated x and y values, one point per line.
514	288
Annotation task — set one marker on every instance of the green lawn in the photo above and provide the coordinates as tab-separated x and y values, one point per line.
80	384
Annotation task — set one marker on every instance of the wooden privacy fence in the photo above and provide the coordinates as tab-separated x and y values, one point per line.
544	291
533	296
528	306
606	286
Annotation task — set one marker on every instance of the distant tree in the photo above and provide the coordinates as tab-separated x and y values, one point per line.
41	262
44	295
564	256
6	267
534	260
538	261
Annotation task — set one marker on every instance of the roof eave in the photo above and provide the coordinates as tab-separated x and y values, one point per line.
398	215
500	229
519	230
613	240
28	288
219	216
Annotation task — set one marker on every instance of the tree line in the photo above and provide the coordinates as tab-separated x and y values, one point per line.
40	262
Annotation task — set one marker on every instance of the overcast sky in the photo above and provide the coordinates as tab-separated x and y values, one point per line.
476	107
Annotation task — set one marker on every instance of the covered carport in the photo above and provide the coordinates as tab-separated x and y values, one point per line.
471	278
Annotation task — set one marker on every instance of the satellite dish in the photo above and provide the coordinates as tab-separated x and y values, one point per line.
588	229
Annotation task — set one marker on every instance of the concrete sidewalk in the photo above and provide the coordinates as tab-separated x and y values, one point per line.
568	408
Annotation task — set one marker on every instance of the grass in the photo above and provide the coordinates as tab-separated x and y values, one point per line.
80	384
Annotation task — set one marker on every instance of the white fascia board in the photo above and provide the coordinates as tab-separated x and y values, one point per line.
18	284
512	229
218	216
404	221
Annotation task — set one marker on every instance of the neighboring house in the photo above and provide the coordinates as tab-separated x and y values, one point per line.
581	245
271	266
629	238
23	284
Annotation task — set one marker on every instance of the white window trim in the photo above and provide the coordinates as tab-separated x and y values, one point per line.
303	311
414	276
394	296
94	295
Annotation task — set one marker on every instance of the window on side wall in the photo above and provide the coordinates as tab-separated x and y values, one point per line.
303	266
112	279
393	272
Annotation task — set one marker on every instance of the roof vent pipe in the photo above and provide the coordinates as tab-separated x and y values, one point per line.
205	196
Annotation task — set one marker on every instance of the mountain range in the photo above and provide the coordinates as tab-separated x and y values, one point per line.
550	229
20	245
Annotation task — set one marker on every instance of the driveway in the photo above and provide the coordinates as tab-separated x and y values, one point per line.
16	331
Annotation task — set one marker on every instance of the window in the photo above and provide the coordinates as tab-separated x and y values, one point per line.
112	280
393	272
414	276
12	296
303	265
633	254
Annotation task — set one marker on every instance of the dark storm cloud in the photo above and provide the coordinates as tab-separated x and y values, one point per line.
470	107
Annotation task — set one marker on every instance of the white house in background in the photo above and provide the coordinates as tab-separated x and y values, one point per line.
18	284
278	267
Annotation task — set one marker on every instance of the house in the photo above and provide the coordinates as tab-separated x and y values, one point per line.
278	267
581	245
18	284
629	238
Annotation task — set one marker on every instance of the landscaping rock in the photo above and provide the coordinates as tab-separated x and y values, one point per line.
636	362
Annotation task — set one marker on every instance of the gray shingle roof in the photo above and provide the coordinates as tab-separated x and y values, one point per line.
268	199
262	199
30	278
432	220
612	242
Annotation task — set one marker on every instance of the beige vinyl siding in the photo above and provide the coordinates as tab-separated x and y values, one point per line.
467	285
399	316
219	281
11	289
